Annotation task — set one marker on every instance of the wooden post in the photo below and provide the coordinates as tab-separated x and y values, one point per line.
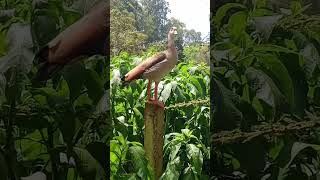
153	136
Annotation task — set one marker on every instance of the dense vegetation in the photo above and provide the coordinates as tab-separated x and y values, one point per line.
59	129
140	32
265	80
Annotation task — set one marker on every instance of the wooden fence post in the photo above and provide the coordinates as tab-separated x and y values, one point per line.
153	136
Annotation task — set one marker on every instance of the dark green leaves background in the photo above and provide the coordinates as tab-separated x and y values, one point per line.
266	71
58	130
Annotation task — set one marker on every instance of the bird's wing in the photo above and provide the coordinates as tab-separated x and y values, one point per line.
87	36
84	37
142	67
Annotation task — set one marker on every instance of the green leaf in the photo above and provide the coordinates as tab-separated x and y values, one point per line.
67	126
297	147
280	75
227	115
264	87
139	161
88	167
104	103
75	77
99	151
272	48
166	92
222	11
197	84
32	147
174	151
195	157
45	26
261	12
70	16
94	85
237	25
189	174
172	170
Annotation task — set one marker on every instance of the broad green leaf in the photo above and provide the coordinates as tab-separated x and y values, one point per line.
87	166
44	26
273	48
264	87
139	160
174	151
295	150
280	75
189	174
32	147
67	125
75	77
94	85
195	157
276	148
227	115
173	169
237	25
196	83
70	16
166	92
99	151
222	11
261	12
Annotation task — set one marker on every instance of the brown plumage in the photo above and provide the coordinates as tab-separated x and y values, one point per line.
155	68
88	36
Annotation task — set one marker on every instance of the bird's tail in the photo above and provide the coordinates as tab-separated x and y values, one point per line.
124	83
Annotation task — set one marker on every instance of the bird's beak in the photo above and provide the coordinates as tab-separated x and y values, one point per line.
175	32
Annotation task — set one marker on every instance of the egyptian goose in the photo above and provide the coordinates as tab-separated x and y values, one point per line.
155	68
86	37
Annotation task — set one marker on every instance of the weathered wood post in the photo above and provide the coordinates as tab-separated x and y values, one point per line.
153	136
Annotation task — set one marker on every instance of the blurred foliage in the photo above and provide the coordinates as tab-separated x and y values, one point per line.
266	71
60	130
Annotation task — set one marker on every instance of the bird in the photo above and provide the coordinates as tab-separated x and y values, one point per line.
155	68
86	37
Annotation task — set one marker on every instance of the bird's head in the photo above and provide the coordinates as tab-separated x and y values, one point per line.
173	31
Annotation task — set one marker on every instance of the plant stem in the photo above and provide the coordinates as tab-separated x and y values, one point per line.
51	152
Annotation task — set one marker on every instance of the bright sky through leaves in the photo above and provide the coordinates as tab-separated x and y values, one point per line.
194	14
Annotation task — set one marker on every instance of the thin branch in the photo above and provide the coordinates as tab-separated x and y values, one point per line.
229	137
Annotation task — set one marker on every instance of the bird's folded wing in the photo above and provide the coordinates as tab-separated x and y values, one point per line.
81	37
146	64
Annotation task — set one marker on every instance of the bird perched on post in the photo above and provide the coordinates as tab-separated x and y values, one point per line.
155	68
86	37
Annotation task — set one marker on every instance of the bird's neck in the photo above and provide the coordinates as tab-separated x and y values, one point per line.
170	42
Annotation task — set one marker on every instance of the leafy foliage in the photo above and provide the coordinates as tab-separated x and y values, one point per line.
265	71
49	131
